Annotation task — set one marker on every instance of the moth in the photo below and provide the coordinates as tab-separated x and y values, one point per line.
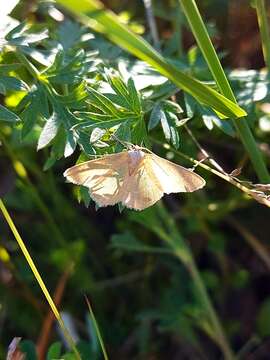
135	178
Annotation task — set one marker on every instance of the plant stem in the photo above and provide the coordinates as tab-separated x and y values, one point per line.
264	30
181	250
38	278
177	24
103	349
221	337
200	33
152	23
222	175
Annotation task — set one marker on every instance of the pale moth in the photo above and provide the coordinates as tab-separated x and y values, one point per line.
135	178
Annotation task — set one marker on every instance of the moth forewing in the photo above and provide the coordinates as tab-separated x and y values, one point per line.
175	178
103	177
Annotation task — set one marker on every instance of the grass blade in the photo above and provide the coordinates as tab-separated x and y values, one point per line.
264	30
200	33
103	349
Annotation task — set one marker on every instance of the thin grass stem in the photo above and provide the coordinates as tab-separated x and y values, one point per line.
38	278
103	349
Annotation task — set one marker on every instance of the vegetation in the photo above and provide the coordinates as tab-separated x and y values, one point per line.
184	279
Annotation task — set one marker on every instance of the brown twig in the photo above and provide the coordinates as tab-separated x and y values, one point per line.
44	337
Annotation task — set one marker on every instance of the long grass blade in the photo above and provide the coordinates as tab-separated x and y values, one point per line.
38	278
264	30
98	333
200	33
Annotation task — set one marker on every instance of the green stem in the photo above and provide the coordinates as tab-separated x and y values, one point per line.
200	33
180	249
264	30
177	24
38	278
103	349
221	337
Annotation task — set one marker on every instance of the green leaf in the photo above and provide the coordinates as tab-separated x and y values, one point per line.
7	115
102	102
134	96
172	107
155	116
54	351
49	131
69	34
263	324
71	143
30	117
139	133
11	83
127	241
96	135
29	349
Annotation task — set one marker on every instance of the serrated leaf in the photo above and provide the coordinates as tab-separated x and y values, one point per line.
69	34
172	121
17	31
91	116
71	143
165	125
172	106
84	142
96	135
78	94
11	83
118	100
49	162
7	115
134	96
139	133
38	106
106	124
155	116
118	85
102	102
84	196
29	117
49	131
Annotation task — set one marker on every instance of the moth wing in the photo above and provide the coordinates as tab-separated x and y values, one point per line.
141	189
174	178
103	177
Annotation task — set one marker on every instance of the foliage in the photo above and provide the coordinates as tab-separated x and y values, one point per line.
167	277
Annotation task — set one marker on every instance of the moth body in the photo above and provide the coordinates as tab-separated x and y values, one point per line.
134	159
